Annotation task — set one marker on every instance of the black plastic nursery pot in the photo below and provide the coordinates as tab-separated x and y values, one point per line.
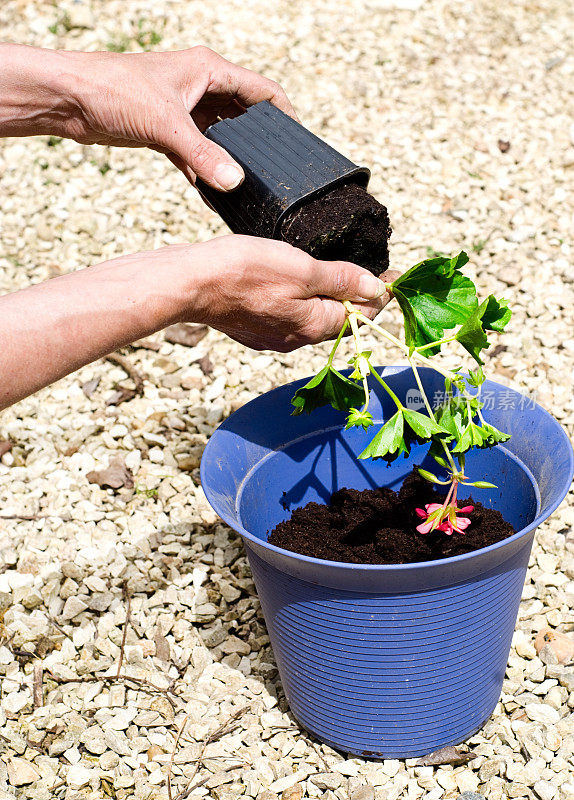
289	169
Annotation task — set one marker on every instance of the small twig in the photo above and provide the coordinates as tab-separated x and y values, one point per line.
128	368
38	687
58	627
186	792
227	727
127	598
175	744
34	517
19	653
143	683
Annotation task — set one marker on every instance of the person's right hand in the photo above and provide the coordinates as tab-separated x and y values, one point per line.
267	294
264	294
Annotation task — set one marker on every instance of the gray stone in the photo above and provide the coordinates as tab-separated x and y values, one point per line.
72	570
326	780
215	635
100	601
72	607
565	676
93	740
363	793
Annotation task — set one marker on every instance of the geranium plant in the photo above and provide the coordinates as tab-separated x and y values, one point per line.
440	306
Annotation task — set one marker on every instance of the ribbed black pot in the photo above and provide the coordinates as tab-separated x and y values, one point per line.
284	163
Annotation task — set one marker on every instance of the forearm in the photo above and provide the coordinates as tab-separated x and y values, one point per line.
37	89
53	328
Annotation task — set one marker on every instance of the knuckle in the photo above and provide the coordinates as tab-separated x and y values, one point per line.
309	268
341	280
203	52
201	155
242	247
275	87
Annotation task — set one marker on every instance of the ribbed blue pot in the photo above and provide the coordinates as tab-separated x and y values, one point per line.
384	661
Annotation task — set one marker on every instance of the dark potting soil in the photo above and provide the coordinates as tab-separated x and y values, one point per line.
378	526
346	224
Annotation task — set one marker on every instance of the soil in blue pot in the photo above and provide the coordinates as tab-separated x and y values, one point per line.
378	526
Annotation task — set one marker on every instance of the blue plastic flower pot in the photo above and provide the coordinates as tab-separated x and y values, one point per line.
384	661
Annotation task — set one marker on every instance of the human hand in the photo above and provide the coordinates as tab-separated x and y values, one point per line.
263	293
268	294
165	101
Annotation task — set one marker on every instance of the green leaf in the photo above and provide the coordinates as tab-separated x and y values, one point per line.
328	387
452	417
496	315
482	485
494	435
471	334
434	296
358	418
476	377
480	436
424	427
472	436
389	441
491	315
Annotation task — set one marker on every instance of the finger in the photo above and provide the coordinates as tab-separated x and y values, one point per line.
372	309
178	162
248	88
206	160
326	318
390	275
342	280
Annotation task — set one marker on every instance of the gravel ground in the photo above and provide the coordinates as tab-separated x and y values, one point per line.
464	113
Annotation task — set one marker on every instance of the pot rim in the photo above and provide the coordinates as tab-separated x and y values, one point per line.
443	562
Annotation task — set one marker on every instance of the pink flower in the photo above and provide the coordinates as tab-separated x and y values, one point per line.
439	518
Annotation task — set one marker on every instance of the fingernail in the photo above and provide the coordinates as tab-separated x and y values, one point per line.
228	176
371	287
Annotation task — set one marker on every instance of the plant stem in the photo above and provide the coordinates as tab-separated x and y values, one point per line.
352	319
337	342
431	413
438	343
397	342
388	389
367	394
421	389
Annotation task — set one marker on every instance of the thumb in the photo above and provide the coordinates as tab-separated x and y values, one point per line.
342	280
206	160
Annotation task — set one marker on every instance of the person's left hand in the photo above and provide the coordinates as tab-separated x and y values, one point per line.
165	101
